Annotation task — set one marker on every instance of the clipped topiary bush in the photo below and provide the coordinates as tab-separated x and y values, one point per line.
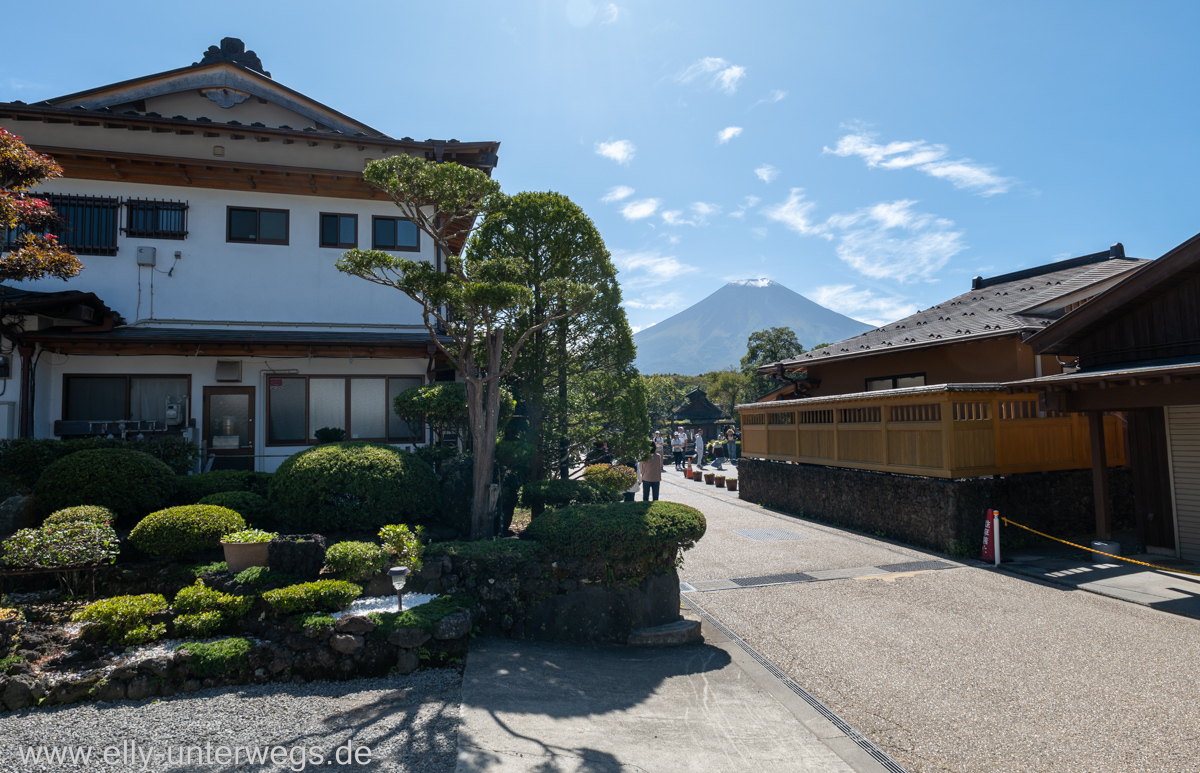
184	531
319	596
199	624
356	560
124	619
213	660
193	488
649	534
129	483
544	494
64	544
352	486
82	513
247	504
22	460
198	598
615	476
403	545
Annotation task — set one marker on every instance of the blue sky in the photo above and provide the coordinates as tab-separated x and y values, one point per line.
871	155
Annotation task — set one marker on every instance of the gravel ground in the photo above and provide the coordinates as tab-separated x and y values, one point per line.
409	723
969	669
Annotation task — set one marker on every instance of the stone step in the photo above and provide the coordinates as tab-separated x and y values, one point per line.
668	635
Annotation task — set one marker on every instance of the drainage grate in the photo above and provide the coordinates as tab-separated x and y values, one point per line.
772	579
915	566
768	535
864	743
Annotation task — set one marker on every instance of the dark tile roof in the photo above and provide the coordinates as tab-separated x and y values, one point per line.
1003	305
698	408
227	335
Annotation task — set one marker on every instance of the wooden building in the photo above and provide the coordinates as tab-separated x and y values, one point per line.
697	412
209	205
1138	350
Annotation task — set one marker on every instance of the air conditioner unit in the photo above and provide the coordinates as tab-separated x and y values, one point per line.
229	370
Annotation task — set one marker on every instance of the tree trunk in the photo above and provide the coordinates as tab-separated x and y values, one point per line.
564	444
483	405
535	410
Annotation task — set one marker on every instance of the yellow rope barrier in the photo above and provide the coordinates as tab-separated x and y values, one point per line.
1098	552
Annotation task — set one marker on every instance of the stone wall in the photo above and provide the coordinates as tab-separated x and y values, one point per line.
549	600
932	512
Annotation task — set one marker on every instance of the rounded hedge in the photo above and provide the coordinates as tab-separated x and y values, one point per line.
129	483
617	477
352	486
193	488
82	513
647	533
250	506
184	531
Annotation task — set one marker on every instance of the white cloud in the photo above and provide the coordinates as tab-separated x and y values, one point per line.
620	151
610	13
701	210
648	268
766	173
887	241
720	74
926	157
675	217
863	304
728	133
704	209
642	208
749	203
776	95
759	232
794	213
892	241
616	193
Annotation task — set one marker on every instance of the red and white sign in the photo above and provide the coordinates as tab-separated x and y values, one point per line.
989	540
275	383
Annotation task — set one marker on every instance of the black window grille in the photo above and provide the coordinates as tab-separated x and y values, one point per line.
89	222
153	219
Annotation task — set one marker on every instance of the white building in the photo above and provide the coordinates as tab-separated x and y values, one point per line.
209	205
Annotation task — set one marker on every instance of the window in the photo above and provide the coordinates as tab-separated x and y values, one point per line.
339	230
298	406
895	382
89	224
395	233
156	219
113	398
258	226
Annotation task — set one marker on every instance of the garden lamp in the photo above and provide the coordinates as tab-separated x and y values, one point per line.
399	576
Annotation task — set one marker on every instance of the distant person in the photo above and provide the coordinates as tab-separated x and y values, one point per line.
731	445
677	442
658	443
718	454
700	449
650	470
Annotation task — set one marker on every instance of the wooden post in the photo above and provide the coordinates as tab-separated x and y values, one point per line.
1100	476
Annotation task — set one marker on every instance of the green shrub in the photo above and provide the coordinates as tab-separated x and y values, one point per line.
262	577
315	620
488	550
319	596
64	544
227	657
22	460
356	560
195	570
6	664
352	486
183	531
125	619
650	533
544	494
403	545
425	616
129	483
249	537
330	435
193	488
84	513
247	504
200	624
614	476
200	598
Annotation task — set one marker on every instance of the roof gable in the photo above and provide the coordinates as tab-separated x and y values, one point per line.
224	79
1011	304
698	408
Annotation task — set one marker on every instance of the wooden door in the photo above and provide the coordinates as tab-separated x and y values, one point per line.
229	427
1149	465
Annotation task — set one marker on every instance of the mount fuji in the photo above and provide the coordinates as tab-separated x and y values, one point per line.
711	334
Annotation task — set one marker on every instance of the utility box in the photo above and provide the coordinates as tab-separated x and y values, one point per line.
147	256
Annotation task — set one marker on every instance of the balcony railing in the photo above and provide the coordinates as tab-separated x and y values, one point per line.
947	431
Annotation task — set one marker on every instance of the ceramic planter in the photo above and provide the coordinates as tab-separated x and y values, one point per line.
240	556
731	484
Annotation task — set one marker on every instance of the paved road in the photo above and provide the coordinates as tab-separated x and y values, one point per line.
952	669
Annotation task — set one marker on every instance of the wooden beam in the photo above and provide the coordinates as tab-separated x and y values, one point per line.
1100	476
1121	398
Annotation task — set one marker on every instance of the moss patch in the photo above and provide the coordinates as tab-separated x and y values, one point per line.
487	550
227	657
425	616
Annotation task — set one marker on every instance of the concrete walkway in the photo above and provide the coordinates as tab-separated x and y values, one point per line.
556	708
949	666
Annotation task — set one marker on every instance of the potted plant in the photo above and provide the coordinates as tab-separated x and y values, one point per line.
247	548
719	481
709	476
731	484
